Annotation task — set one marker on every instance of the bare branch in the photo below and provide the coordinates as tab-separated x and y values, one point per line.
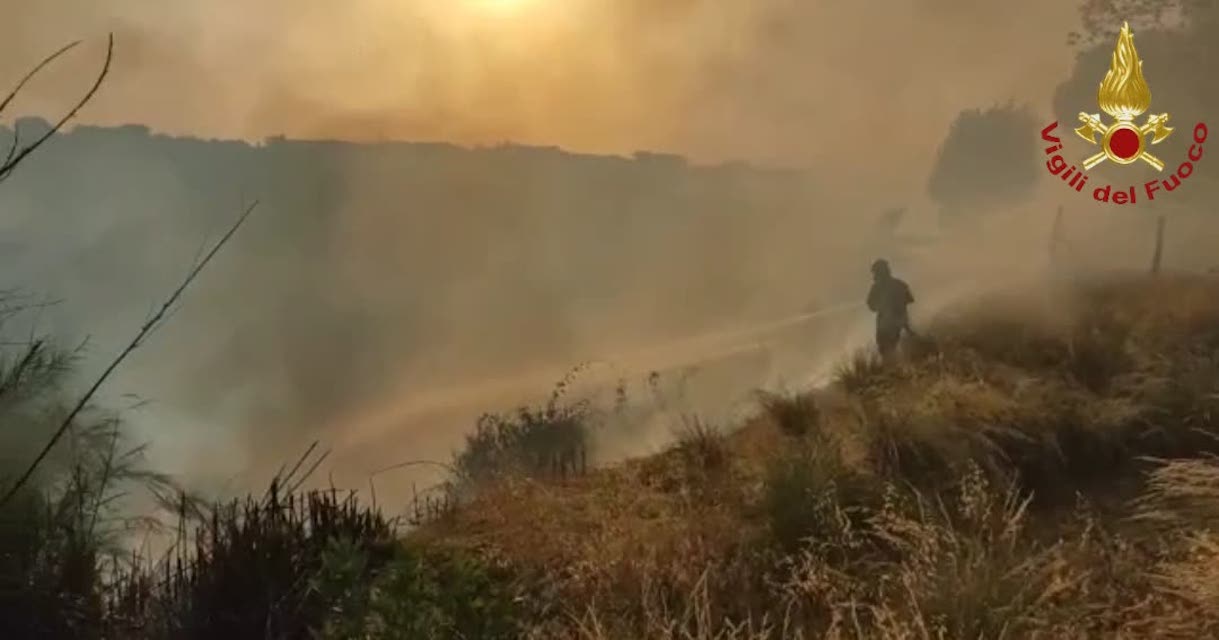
288	478
415	463
33	72
147	328
281	480
7	168
12	148
305	476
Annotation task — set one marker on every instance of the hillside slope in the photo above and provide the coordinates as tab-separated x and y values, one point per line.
1013	477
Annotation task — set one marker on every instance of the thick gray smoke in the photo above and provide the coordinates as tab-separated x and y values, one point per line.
389	291
385	294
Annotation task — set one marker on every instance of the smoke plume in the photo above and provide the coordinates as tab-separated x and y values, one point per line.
384	294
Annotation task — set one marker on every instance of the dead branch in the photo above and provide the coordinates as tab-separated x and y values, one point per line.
305	476
33	72
279	479
289	481
415	463
12	147
13	160
144	331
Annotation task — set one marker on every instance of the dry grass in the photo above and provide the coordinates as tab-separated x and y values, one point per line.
995	484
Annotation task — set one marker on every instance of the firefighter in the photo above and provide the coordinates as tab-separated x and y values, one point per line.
888	299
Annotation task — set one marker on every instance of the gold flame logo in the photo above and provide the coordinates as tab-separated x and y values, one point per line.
1124	95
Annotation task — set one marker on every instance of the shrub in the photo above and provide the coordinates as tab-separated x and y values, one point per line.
986	162
252	567
442	594
810	493
864	371
701	446
61	529
551	441
796	415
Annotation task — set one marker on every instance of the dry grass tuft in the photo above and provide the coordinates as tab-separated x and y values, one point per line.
796	415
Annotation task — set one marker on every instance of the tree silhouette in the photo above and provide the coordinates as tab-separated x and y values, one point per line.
1100	20
987	161
1176	37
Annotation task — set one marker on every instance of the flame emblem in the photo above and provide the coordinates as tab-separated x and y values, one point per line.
1124	95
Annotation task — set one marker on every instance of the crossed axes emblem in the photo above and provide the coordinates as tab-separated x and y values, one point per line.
1092	125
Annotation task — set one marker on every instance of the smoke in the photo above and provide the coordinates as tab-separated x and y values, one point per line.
776	81
384	295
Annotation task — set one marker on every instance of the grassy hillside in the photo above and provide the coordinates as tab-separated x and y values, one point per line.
1013	478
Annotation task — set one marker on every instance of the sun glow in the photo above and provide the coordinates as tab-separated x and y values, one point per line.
499	6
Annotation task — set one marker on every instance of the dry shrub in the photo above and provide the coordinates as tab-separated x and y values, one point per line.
1182	493
810	493
796	415
1181	509
702	446
863	371
547	442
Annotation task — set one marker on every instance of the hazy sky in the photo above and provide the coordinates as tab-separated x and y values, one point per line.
796	82
861	92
